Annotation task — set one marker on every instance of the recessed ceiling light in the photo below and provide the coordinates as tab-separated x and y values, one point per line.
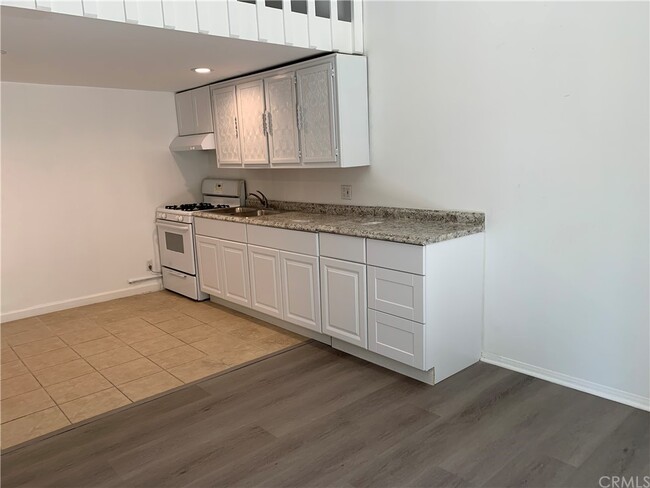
202	70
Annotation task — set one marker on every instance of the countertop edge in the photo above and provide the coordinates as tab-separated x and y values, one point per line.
266	221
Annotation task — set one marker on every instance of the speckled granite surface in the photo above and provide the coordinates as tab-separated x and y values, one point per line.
409	226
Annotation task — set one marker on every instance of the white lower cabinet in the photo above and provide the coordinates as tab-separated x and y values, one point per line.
343	300
223	269
209	256
416	305
266	291
396	338
236	282
301	290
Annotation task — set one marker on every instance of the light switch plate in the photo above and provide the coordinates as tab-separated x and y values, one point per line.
346	192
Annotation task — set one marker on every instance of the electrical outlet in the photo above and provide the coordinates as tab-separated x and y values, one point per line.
346	192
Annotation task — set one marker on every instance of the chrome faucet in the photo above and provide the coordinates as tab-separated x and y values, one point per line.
261	197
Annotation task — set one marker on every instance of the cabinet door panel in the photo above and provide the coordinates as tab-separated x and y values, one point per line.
343	295
235	268
144	12
317	117
250	101
212	17
180	15
193	111
104	9
280	95
301	290
210	267
202	110
265	280
226	128
185	114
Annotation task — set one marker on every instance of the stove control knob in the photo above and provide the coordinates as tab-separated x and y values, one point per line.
163	215
179	218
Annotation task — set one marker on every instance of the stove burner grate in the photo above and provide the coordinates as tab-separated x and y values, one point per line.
192	207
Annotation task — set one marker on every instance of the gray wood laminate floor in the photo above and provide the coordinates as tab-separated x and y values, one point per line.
315	417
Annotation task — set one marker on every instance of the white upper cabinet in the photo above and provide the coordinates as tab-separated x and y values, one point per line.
325	25
270	21
19	3
193	111
104	9
316	114
226	126
213	17
70	7
280	92
252	126
312	114
180	15
144	12
242	18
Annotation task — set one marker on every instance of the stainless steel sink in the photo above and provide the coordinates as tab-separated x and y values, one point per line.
232	210
258	213
245	211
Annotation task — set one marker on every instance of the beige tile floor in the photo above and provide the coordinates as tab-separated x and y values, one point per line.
68	366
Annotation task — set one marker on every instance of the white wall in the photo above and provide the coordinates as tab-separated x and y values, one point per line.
83	170
537	114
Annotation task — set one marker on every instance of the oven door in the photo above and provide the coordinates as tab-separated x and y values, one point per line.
176	246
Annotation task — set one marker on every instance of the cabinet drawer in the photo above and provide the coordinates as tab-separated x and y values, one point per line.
283	239
396	338
343	247
221	229
394	255
396	293
180	282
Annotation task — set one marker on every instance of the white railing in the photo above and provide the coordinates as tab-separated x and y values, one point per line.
327	25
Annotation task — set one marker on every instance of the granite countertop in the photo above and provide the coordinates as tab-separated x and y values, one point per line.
409	226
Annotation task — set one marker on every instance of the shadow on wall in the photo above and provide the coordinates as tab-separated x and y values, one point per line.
194	166
370	186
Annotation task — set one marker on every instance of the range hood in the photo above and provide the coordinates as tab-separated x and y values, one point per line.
196	142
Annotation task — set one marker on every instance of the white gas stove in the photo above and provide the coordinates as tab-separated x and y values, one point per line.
175	224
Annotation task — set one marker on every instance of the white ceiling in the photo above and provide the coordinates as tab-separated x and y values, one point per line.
60	49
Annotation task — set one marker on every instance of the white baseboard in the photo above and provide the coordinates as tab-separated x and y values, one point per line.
156	285
579	384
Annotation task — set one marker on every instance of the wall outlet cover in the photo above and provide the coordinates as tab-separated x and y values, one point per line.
346	192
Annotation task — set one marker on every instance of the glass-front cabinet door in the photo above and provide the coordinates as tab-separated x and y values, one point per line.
226	126
280	93
253	125
316	117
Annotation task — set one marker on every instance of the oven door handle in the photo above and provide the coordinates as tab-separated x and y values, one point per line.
177	274
169	225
